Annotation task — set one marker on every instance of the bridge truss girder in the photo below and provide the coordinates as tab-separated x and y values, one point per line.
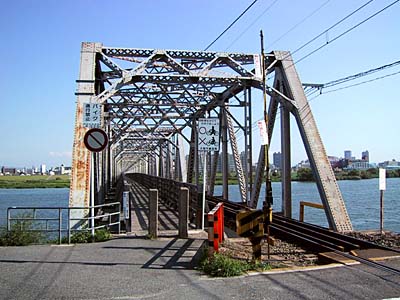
153	98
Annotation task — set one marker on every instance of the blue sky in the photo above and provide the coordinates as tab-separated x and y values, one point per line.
41	50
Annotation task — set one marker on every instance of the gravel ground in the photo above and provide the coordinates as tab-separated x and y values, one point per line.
387	239
282	254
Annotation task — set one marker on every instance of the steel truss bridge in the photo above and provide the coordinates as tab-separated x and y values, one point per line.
151	101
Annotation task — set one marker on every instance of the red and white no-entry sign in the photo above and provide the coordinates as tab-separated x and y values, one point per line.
95	139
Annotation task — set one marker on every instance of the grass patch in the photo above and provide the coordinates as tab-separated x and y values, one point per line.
35	181
220	265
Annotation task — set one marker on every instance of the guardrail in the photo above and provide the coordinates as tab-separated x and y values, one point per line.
43	220
309	204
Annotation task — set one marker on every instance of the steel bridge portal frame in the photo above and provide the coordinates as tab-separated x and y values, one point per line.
152	100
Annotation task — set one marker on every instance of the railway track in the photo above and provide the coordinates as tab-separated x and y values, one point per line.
312	237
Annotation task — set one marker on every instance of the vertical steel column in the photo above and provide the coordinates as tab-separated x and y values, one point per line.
196	155
286	162
149	164
248	142
191	161
225	157
335	208
182	159
161	162
245	161
107	154
213	173
79	191
168	166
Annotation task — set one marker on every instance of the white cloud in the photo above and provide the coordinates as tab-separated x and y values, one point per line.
67	154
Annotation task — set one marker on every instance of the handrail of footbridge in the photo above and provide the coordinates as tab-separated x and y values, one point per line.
168	190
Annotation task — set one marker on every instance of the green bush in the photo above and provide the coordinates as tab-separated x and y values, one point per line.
102	235
82	237
223	266
19	235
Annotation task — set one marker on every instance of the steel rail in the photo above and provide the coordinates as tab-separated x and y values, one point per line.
285	228
369	262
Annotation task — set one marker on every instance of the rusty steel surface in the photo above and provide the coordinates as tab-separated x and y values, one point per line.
80	177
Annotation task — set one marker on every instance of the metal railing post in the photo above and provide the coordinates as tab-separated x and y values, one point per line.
69	226
8	219
59	225
119	218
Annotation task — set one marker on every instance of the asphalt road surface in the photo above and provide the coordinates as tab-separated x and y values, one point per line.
136	268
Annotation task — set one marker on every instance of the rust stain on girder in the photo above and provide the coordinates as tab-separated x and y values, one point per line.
79	195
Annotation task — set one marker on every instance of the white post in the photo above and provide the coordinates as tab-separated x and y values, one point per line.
92	194
382	188
204	189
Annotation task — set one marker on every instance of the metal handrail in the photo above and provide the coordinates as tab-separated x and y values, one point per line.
60	210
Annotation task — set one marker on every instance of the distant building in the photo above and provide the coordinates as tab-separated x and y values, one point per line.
390	165
304	164
43	169
365	155
8	171
347	154
231	163
359	164
277	160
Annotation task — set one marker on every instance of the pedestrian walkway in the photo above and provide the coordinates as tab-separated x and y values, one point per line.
167	217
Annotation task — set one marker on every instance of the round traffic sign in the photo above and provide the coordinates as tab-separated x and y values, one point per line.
95	139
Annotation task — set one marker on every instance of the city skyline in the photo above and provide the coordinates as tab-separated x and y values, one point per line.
38	101
272	158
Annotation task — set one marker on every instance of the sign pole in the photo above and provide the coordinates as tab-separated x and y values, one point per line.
204	189
92	194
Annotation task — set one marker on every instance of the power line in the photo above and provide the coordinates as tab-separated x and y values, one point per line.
248	27
347	31
333	26
237	19
363	82
299	23
358	75
350	78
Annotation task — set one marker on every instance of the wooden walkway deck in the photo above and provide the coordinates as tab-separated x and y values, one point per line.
139	205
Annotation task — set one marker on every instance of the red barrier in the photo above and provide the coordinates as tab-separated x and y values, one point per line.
215	227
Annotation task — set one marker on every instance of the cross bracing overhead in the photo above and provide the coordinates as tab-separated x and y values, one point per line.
152	101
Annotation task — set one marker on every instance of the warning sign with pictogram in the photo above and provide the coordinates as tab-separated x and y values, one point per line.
208	134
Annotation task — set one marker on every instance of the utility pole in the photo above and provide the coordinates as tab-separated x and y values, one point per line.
267	205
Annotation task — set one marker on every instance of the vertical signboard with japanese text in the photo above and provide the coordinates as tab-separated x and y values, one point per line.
91	115
208	134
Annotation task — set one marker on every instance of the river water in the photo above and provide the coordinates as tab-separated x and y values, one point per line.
361	198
